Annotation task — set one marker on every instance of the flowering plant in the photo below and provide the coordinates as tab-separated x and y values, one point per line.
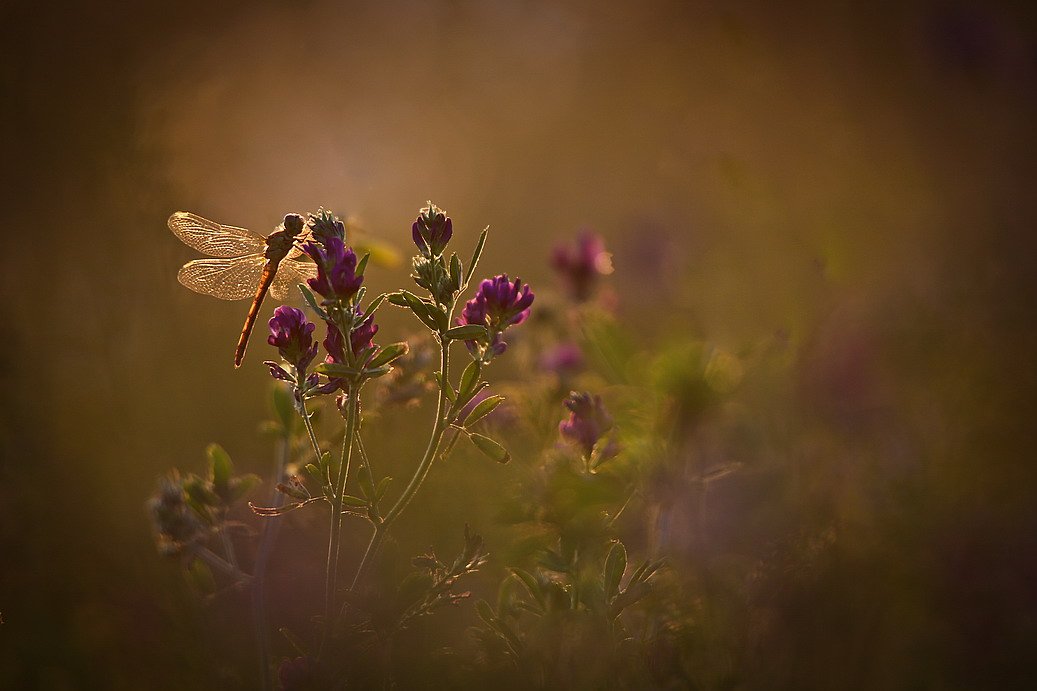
185	510
570	490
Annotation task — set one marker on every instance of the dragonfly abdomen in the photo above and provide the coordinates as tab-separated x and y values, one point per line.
269	271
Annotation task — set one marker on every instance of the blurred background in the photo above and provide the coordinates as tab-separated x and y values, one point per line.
847	187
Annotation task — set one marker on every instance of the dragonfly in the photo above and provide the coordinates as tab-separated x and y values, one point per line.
245	264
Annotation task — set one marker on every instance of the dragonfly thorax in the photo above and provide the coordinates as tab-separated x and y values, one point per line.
279	243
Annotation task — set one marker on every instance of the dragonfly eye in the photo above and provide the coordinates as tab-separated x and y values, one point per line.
293	223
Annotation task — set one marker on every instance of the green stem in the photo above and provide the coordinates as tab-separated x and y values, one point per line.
228	547
422	470
218	562
334	541
623	508
366	461
309	430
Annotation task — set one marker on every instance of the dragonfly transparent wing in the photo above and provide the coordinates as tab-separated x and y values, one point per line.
214	239
227	279
290	273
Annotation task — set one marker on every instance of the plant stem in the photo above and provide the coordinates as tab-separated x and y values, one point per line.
623	508
228	547
419	474
309	431
336	511
218	562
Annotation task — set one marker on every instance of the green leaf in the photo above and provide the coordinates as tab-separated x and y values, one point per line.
456	273
468	332
350	500
375	304
201	577
421	310
284	406
377	371
241	486
388	354
222	468
336	370
308	296
476	255
650	569
361	265
315	473
397	299
383	485
554	561
450	394
468	380
485	407
615	565
485	612
439	316
639	571
530	582
490	448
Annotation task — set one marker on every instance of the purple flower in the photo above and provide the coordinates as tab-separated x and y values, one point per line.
360	341
362	337
588	421
432	230
563	359
336	270
291	333
579	267
497	305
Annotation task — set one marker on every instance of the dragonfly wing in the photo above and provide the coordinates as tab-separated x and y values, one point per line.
214	239
290	273
227	279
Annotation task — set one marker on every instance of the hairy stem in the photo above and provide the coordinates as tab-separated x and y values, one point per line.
336	513
419	474
309	431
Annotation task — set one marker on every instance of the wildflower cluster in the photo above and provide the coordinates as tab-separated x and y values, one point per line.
497	305
344	329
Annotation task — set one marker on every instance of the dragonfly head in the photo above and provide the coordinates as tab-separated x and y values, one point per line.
293	225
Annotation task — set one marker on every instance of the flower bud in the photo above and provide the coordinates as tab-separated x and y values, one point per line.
432	230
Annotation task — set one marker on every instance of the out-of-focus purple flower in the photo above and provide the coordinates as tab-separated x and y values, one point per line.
324	225
579	267
497	305
291	334
564	359
588	421
336	270
175	524
432	230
